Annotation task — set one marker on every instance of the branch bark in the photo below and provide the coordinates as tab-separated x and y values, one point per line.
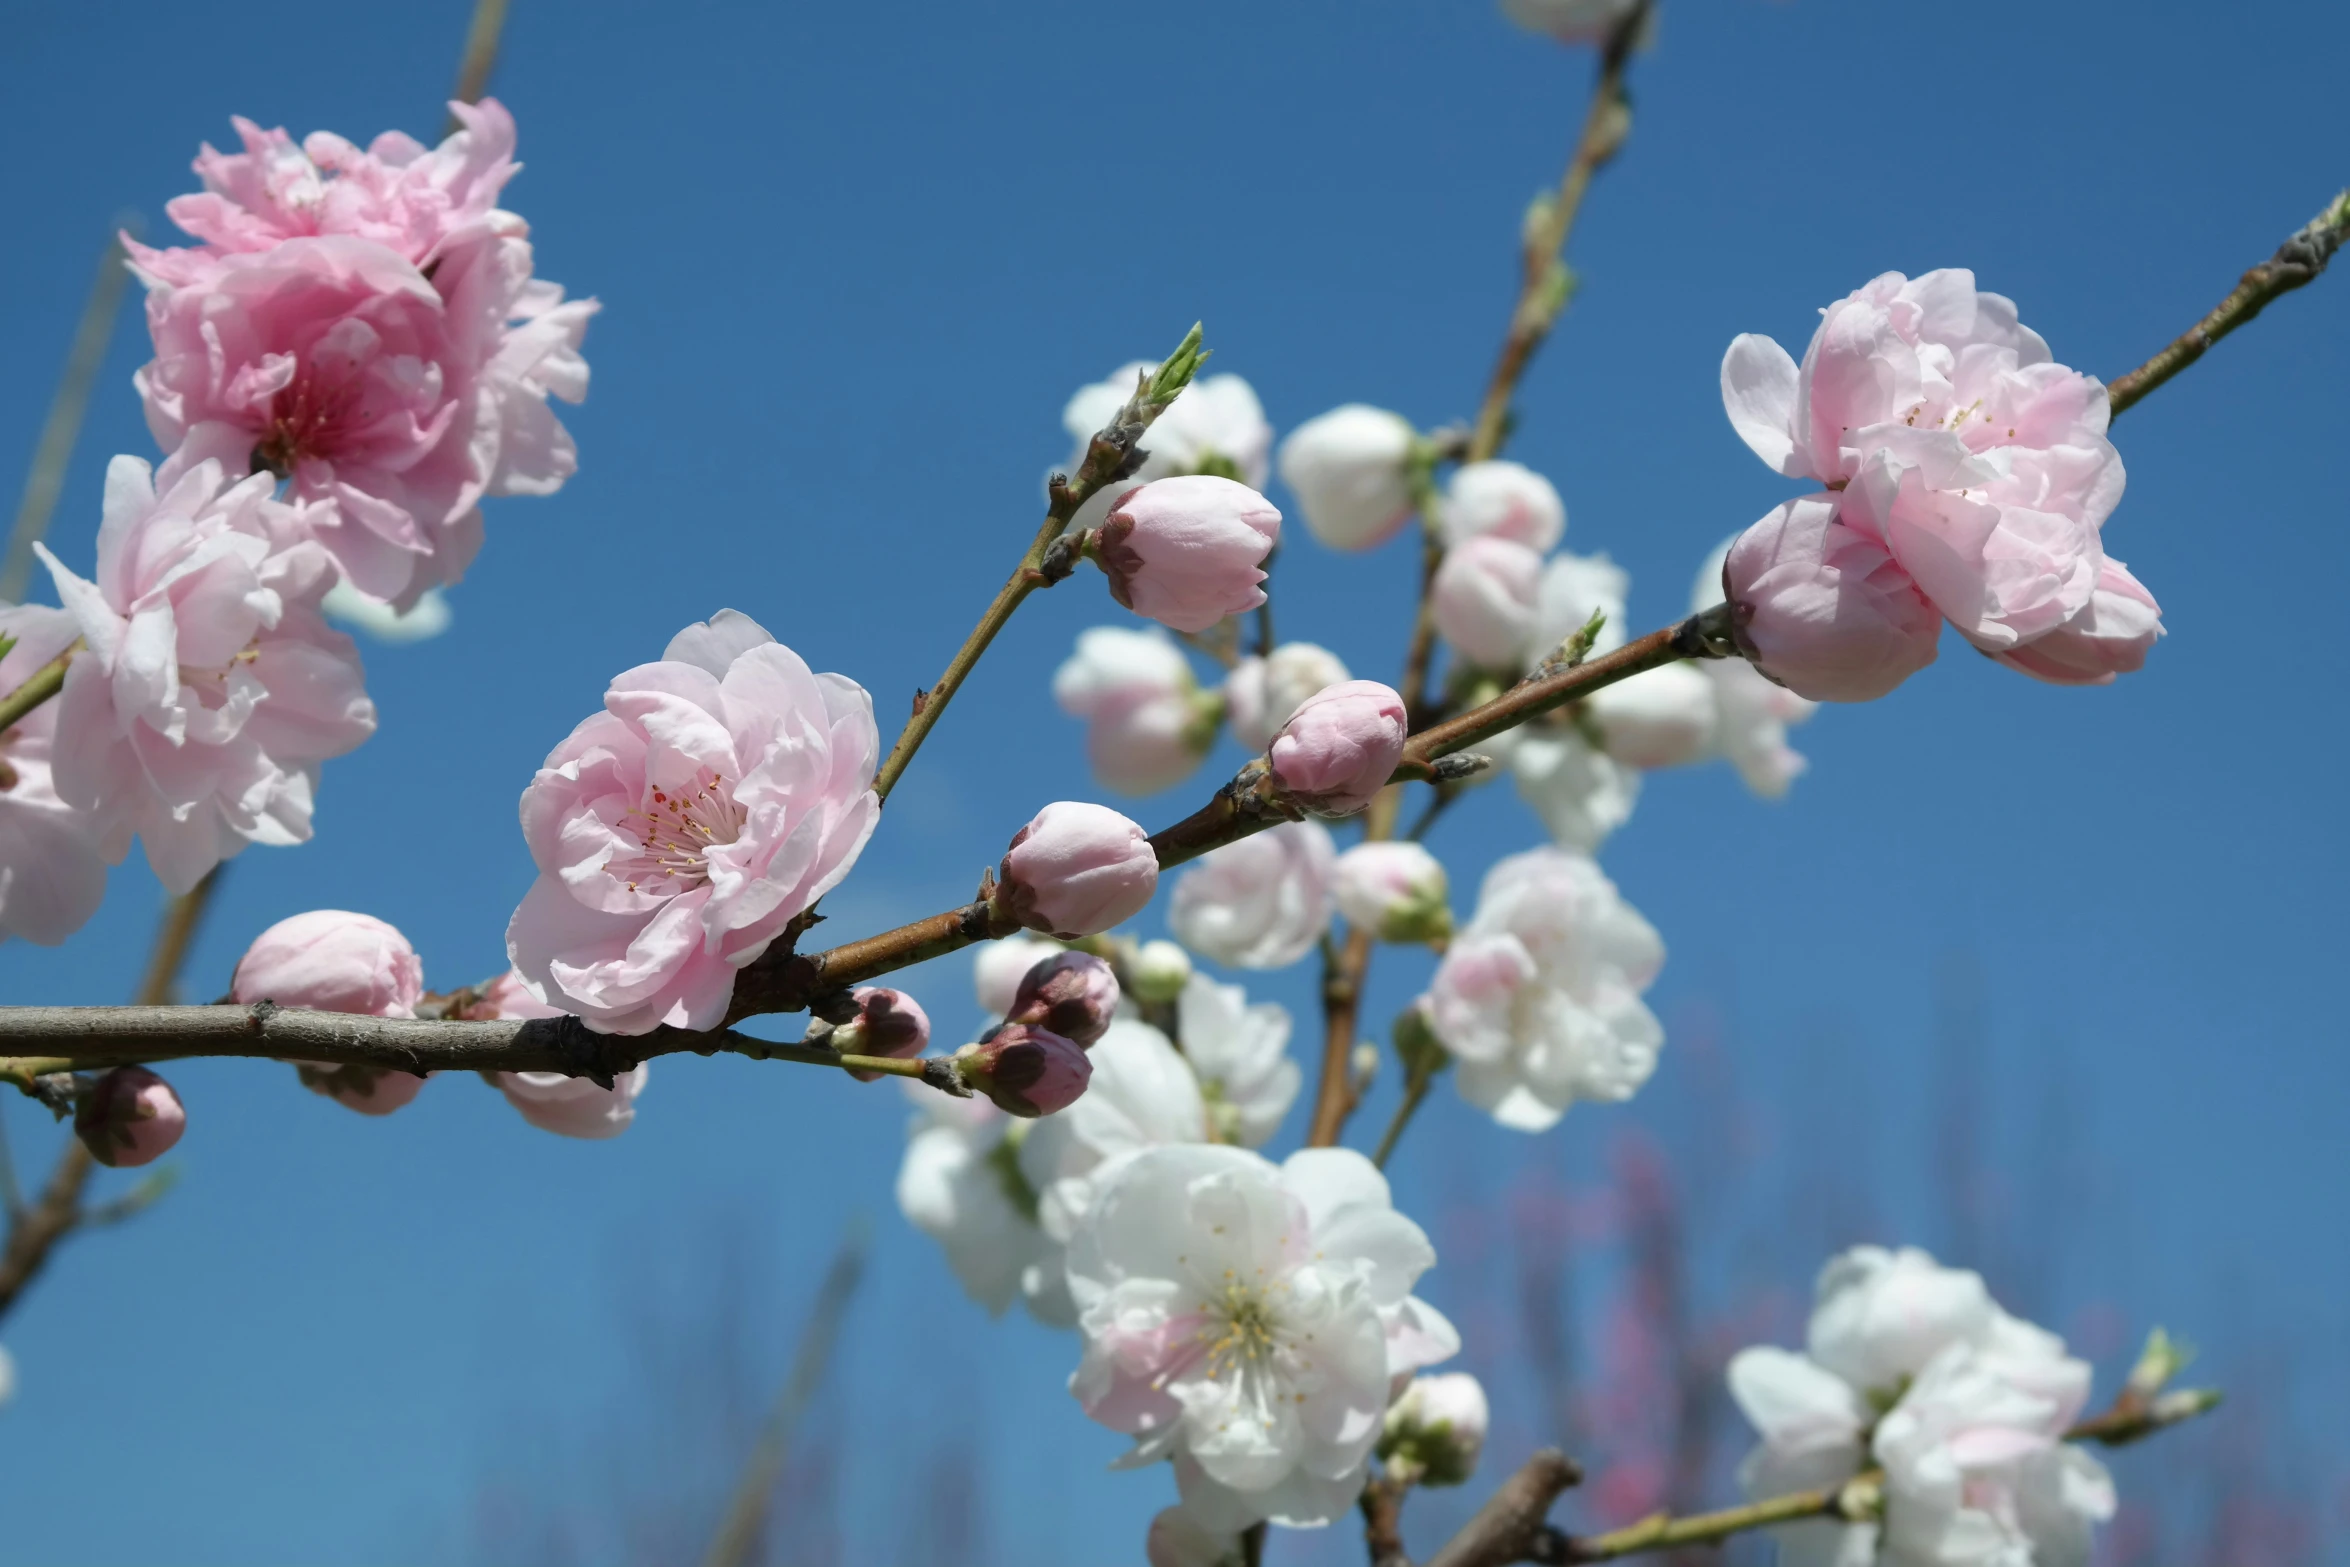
1513	1525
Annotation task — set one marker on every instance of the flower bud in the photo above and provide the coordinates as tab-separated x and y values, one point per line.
1503	500
1261	693
888	1023
129	1117
1351	472
1076	870
332	961
1188	551
1340	747
1072	994
1483	600
1025	1070
997	967
370	1090
1160	970
1417	1044
1824	610
1396	891
1436	1430
575	1106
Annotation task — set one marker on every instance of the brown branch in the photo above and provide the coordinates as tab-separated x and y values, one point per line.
55	1215
1541	293
1383	1502
2298	261
1343	975
1513	1524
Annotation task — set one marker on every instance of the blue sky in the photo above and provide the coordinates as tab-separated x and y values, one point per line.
853	260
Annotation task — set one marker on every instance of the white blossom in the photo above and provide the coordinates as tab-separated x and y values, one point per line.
1571	589
1538	997
1214	424
1436	1430
1261	693
1665	717
960	1184
1147	726
1250	1318
1580	794
1395	890
1351	472
1180	1537
1240	1053
1503	498
1260	903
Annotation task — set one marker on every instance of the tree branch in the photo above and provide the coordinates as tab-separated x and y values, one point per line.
1382	1504
2298	261
480	57
1512	1524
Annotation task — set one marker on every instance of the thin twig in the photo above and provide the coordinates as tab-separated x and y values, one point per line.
738	1534
1382	1504
63	426
480	57
2298	261
1342	1000
181	920
44	683
1415	1088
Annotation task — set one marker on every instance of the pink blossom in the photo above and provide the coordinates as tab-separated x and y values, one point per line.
1076	870
212	688
129	1117
575	1106
1074	994
1824	609
888	1023
721	791
1340	747
1397	891
1484	599
1954	447
52	877
508	996
1147	725
399	194
1025	1070
1507	500
2110	636
331	960
1261	693
1188	551
1260	903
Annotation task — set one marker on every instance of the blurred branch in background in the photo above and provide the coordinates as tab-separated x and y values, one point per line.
33	1232
746	1516
481	54
63	427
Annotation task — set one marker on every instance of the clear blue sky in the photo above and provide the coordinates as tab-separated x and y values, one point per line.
853	260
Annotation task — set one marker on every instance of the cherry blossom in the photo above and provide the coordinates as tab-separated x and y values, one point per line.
211	688
1351	472
1261	693
129	1117
1752	713
1147	724
1260	903
1538	997
1159	970
1250	1318
1667	717
1579	792
1215	425
575	1106
2110	636
1573	588
1396	891
960	1184
1484	600
1436	1430
1076	870
1340	747
720	792
1240	1053
1188	551
1505	500
336	961
52	877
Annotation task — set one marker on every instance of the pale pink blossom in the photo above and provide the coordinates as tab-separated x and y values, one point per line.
211	688
1952	446
1351	472
1340	747
1076	870
1260	903
1752	713
508	996
1188	551
1823	609
52	877
1397	891
2110	636
575	1106
1074	994
1484	600
1261	693
129	1117
331	960
1506	500
408	198
1025	1070
1663	717
1147	725
721	791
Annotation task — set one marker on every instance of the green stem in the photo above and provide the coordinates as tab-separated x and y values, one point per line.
45	683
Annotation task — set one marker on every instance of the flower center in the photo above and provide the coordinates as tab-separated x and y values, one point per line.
1243	1327
675	832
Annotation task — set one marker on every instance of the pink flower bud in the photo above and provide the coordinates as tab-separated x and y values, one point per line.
1484	599
888	1023
1396	891
1076	870
1025	1070
1187	551
332	961
1823	609
575	1106
2109	637
1074	994
370	1090
129	1117
1340	747
1506	500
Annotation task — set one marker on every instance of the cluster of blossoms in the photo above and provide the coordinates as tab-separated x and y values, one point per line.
353	355
1911	1368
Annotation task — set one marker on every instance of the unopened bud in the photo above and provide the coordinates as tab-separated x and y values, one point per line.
1076	870
887	1023
1188	551
370	1090
1396	891
1416	1044
1072	994
1436	1430
1025	1070
1160	970
129	1117
2162	1359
